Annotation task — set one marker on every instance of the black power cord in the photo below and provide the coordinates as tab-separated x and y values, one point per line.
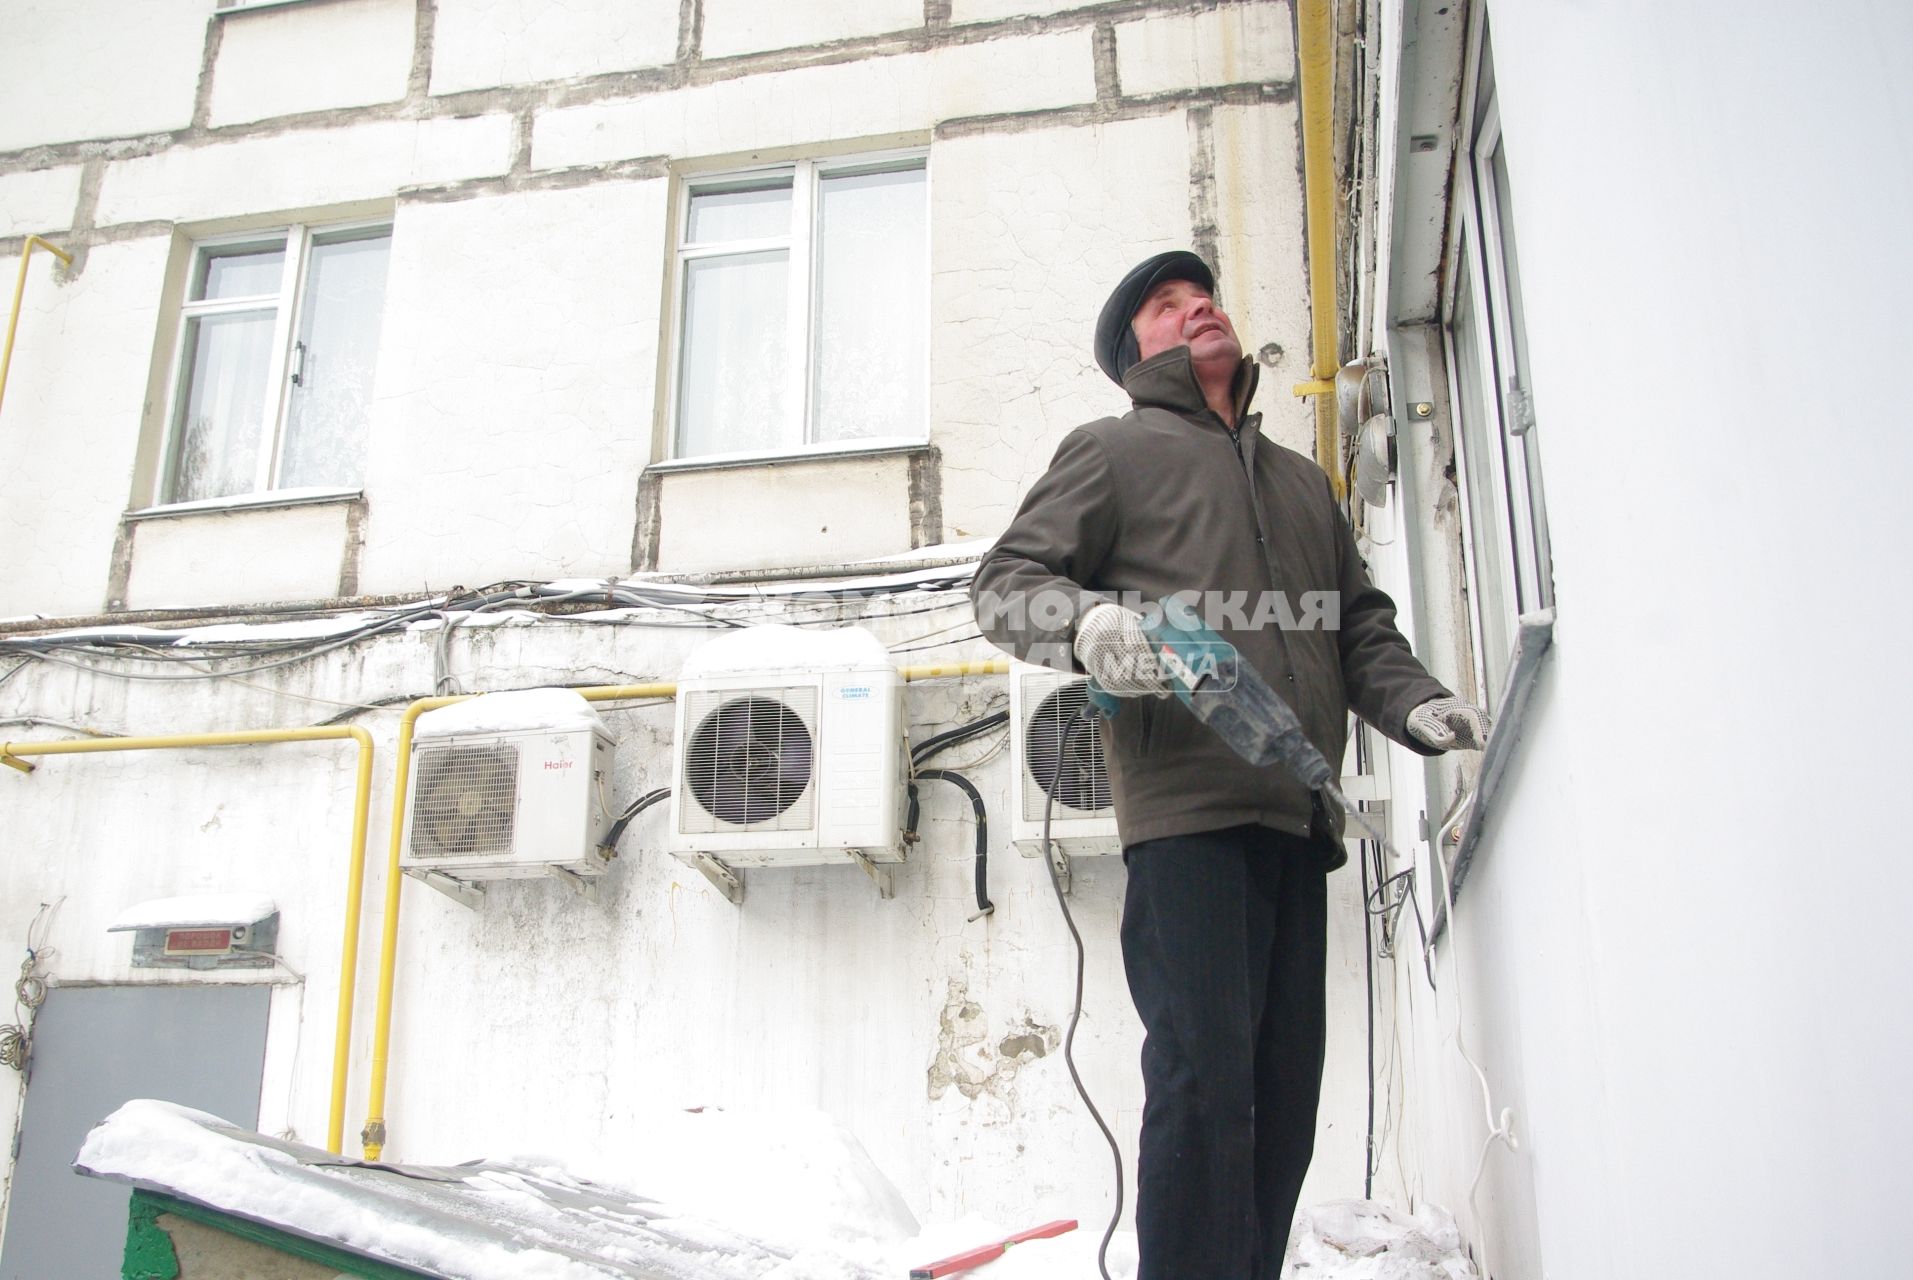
611	837
1081	718
931	746
984	906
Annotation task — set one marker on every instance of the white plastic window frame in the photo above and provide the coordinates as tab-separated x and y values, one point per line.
805	175
1519	578
288	301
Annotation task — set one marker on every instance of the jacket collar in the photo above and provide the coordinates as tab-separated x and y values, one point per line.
1167	380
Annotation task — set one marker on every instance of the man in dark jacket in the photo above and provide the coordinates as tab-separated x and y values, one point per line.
1223	928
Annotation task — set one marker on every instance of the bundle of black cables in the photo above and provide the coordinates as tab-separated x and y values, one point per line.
942	742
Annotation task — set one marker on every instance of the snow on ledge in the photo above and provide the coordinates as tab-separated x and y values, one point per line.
194	910
776	647
513	711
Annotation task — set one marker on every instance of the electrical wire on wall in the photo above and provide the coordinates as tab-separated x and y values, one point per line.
149	655
29	992
935	745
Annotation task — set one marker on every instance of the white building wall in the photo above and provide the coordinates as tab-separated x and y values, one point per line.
1665	960
59	52
515	406
75	393
512	407
347	53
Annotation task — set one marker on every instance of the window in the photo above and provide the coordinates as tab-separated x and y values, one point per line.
279	335
803	308
1505	540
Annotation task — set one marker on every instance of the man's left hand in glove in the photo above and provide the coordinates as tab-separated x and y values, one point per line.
1449	724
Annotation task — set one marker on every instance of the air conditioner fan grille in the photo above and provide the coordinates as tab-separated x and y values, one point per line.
1082	779
750	761
465	801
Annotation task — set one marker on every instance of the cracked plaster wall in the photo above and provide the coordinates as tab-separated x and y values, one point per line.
58	54
478	44
71	425
237	557
511	411
1049	176
750	26
346	53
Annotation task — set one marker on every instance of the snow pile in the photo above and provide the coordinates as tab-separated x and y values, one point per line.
198	909
187	1153
516	711
798	1179
1362	1240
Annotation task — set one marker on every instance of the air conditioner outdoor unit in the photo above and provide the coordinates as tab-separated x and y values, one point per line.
789	745
508	785
1042	704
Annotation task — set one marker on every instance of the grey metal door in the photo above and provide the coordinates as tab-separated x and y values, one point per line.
201	1046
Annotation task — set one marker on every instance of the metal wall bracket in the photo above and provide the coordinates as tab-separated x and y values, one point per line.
881	875
1059	862
725	880
15	762
459	891
586	886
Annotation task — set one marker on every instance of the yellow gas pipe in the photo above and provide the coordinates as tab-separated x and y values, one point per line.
19	291
13	753
1315	48
373	1136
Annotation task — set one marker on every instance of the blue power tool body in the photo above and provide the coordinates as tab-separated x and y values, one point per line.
1226	693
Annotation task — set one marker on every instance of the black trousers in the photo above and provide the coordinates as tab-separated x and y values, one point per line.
1224	942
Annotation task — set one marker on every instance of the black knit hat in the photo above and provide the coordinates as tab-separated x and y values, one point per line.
1115	339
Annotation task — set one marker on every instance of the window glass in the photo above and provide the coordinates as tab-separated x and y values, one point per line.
869	370
222	421
240	272
333	364
1477	425
731	380
751	214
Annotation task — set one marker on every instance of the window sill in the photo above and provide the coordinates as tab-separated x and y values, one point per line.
811	453
246	502
1532	641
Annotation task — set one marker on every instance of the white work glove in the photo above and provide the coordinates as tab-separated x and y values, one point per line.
1449	724
1112	647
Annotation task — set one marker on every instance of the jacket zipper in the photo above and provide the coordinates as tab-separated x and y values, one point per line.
1255	516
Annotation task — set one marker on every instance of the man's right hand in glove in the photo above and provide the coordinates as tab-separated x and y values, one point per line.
1112	647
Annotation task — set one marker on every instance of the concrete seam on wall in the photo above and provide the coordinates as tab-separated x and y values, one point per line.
690	30
521	126
545	180
1203	231
936	13
1128	109
644	539
203	95
80	232
526	100
926	498
420	104
418	81
1103	48
353	550
119	573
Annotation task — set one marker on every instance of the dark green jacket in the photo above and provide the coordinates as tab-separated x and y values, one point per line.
1165	499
